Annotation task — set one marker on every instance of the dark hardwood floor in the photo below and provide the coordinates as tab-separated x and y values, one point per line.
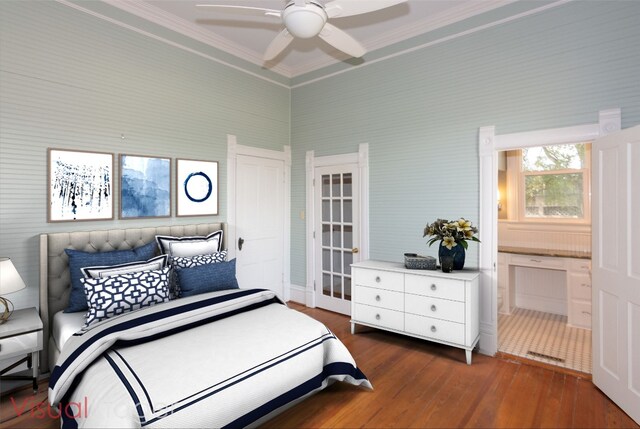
421	384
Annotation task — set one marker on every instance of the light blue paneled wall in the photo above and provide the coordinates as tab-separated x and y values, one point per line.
420	113
72	80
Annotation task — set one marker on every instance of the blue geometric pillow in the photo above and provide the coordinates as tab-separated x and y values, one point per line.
208	278
79	259
111	296
179	262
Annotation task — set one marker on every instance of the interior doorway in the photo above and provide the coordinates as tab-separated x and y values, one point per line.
544	254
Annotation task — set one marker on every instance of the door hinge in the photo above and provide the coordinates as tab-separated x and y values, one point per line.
313	183
314	285
314	234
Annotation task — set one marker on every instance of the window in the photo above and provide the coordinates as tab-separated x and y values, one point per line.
555	182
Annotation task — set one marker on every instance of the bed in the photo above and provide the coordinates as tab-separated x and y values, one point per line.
230	358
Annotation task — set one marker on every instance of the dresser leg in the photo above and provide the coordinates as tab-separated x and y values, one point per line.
353	328
468	356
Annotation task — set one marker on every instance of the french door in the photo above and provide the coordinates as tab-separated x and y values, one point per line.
336	234
616	268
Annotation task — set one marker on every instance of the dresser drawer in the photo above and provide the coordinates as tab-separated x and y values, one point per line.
580	286
18	345
379	297
435	328
434	307
580	314
379	279
378	316
435	287
538	261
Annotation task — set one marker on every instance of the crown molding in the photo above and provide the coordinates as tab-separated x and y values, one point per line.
182	26
442	19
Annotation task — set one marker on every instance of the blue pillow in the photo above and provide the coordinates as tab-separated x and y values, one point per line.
79	259
208	278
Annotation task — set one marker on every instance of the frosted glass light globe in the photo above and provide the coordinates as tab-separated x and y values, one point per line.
305	21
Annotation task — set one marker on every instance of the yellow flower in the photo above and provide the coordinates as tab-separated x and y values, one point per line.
468	233
449	242
463	225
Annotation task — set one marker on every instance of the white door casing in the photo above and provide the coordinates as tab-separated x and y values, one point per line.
361	217
258	190
616	268
489	144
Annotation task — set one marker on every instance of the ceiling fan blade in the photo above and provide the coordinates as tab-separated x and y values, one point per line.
342	41
341	8
278	45
243	10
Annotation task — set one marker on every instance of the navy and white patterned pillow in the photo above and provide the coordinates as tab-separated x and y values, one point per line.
115	295
178	263
157	263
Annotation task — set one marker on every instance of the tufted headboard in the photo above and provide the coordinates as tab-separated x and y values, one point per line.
55	280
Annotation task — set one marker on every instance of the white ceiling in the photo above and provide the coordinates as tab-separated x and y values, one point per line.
247	37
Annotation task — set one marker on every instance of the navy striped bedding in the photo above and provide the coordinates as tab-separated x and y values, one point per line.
222	359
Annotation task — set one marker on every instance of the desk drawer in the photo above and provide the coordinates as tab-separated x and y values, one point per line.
379	279
379	298
581	265
538	261
435	307
18	345
435	328
580	314
378	316
580	286
435	287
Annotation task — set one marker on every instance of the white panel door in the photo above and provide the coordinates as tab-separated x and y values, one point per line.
337	234
260	223
616	268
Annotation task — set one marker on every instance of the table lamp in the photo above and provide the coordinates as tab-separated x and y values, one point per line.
10	281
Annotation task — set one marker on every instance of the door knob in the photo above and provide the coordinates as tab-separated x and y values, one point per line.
240	243
355	250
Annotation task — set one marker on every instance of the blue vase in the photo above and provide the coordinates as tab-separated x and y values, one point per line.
457	252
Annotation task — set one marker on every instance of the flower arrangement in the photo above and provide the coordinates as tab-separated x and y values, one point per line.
451	233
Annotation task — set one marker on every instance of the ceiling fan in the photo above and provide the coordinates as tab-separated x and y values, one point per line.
305	19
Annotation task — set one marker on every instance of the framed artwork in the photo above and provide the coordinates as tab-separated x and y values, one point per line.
145	186
197	187
80	185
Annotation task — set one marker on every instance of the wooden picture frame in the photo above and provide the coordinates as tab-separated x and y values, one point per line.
197	187
79	185
145	187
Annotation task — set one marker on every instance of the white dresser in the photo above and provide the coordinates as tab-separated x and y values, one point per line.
431	305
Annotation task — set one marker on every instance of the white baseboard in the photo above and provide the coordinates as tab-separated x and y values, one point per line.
298	294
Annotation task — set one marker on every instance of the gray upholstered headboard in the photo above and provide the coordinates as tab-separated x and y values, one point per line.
55	281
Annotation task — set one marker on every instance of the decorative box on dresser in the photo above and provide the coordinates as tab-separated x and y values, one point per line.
426	304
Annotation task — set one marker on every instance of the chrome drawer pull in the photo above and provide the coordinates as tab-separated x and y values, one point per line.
585	285
377	279
535	260
433	328
377	297
433	286
587	313
377	317
433	308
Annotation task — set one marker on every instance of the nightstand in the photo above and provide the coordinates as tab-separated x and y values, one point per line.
21	335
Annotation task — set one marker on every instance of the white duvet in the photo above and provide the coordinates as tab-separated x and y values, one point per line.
223	359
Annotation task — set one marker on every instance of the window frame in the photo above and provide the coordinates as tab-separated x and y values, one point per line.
586	189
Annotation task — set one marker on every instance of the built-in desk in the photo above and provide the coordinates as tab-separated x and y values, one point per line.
574	268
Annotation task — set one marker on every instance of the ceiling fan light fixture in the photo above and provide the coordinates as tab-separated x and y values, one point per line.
305	21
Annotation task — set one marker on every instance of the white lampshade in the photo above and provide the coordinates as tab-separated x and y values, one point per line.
10	280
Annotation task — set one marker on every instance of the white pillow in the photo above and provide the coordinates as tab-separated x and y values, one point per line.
187	247
157	263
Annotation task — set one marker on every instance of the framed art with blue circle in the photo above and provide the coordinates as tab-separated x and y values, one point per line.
197	187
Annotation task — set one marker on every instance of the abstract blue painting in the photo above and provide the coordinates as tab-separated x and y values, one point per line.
80	185
145	186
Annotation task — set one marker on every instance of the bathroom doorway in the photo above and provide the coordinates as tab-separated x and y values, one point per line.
544	254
